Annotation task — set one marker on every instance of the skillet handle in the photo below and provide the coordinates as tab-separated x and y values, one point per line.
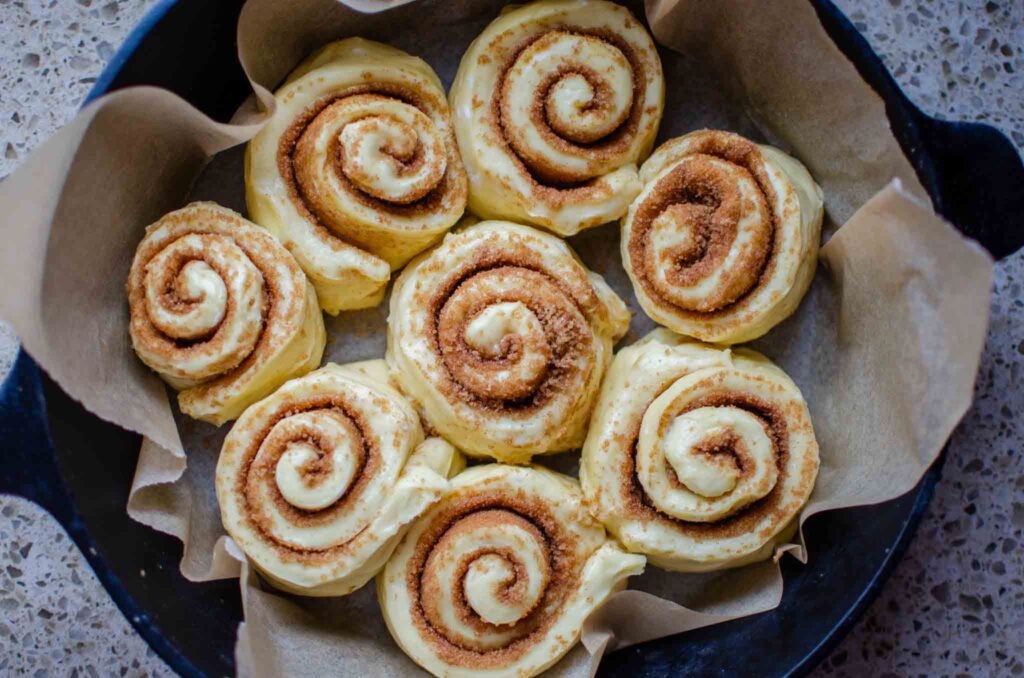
980	178
30	463
972	171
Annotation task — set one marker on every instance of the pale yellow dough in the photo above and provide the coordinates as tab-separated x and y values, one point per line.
498	577
501	335
698	457
358	169
221	310
318	482
722	242
555	103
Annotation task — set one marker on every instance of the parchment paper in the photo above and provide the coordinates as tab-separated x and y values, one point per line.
885	347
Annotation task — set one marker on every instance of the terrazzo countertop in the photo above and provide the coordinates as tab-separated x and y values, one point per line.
955	603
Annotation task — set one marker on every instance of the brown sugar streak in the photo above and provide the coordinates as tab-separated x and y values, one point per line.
544	179
677	187
249	478
743	522
566	328
490	506
449	190
259	247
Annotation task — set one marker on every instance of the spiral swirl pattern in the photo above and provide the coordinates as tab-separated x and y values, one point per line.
220	310
499	576
722	242
699	458
554	104
501	336
357	170
317	482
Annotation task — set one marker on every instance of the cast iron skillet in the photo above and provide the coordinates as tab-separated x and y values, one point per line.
80	468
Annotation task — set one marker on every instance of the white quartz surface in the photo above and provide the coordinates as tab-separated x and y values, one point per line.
955	604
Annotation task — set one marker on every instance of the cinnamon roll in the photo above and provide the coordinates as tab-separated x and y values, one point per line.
499	576
220	310
501	336
722	242
698	457
317	482
357	170
555	103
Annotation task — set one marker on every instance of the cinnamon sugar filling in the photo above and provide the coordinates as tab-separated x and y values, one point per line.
507	276
304	160
491	508
254	475
744	520
445	191
565	332
512	593
410	164
146	333
725	446
610	145
173	300
550	184
714	206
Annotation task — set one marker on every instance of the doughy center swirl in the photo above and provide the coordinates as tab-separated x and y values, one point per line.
564	92
372	146
502	331
204	292
305	465
704	464
486	574
309	477
710	233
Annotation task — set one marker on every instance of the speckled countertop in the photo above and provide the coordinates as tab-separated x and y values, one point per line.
955	604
